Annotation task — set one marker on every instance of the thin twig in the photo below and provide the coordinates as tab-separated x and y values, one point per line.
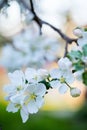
36	18
66	49
41	22
63	36
3	3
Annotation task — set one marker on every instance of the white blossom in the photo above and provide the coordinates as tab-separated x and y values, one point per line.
65	63
33	75
25	95
17	84
83	40
62	77
34	99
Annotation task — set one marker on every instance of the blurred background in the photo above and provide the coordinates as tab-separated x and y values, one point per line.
59	111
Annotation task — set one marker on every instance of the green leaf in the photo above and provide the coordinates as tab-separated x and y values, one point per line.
85	29
84	76
85	50
78	66
46	83
74	55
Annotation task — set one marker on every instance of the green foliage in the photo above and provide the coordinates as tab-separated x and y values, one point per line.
42	121
79	65
74	55
84	76
85	29
84	50
46	83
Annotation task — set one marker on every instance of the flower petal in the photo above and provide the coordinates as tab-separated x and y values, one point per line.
9	88
11	108
63	89
55	73
69	77
40	89
30	73
64	63
32	107
39	101
16	77
24	114
18	98
55	84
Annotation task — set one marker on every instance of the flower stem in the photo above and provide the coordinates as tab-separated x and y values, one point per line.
67	84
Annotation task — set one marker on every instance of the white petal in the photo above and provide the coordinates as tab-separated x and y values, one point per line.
55	73
11	108
78	75
42	73
16	77
18	98
30	73
24	115
32	107
39	101
31	88
64	63
69	77
9	88
63	89
82	41
55	84
40	89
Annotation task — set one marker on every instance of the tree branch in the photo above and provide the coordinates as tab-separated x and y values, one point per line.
3	3
63	36
41	22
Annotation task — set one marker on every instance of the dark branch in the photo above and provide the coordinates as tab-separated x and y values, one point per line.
4	2
36	18
25	4
66	49
41	22
66	38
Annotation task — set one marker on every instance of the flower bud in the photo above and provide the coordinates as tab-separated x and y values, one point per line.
78	32
75	92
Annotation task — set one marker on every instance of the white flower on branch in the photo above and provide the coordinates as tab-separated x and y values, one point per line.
63	77
83	40
17	84
24	94
33	75
65	63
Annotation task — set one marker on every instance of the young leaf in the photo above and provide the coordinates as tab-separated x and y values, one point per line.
84	76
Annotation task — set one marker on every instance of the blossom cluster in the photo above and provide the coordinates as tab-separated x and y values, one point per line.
27	88
78	55
29	49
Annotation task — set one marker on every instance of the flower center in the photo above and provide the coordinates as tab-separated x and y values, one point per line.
33	96
62	80
19	88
